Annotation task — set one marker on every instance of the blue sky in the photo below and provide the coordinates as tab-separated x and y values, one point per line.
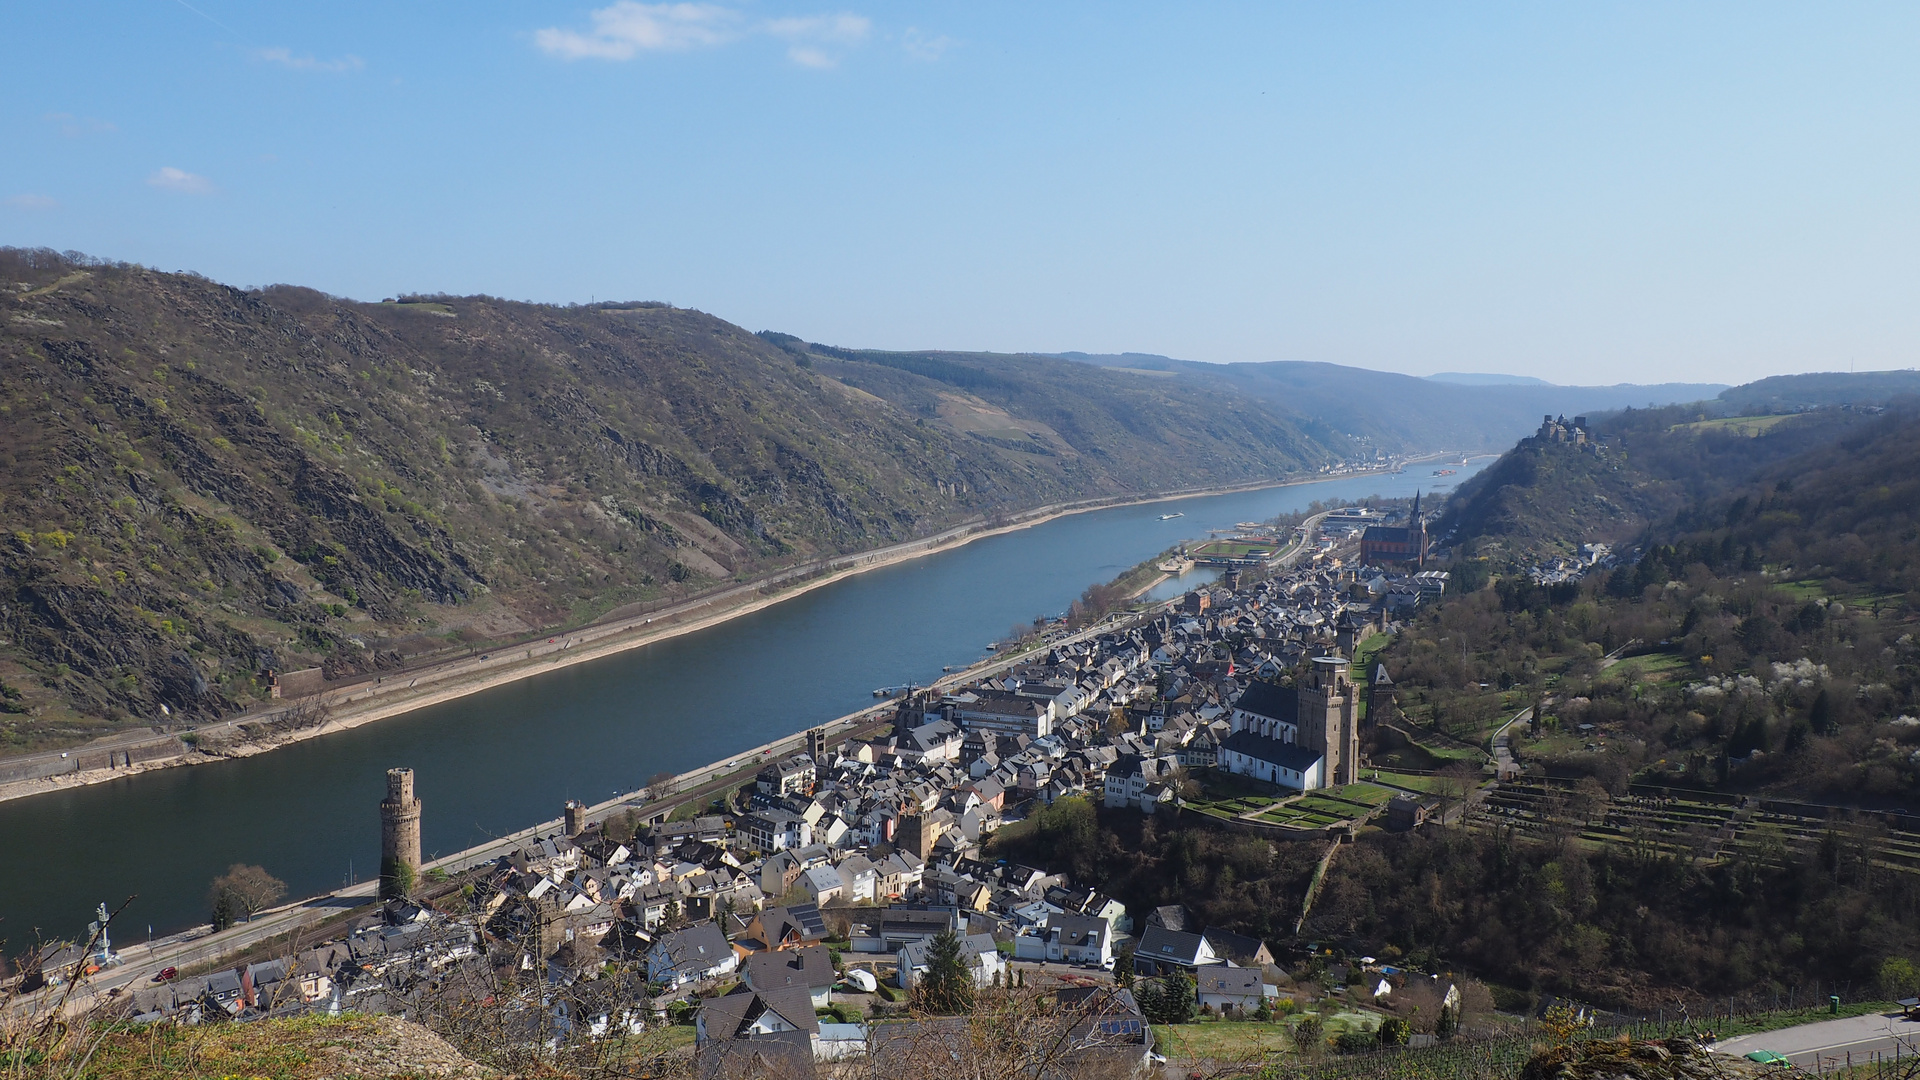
1584	192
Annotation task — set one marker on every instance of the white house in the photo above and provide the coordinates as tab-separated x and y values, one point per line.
1074	939
1228	989
821	883
977	951
859	878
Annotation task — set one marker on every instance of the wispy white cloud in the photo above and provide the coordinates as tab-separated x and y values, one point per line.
924	46
813	39
33	202
844	27
811	56
626	29
73	127
169	178
286	59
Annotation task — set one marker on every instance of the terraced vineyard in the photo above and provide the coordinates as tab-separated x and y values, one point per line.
1698	824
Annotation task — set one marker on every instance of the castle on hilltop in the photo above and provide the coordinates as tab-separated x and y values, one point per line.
1563	431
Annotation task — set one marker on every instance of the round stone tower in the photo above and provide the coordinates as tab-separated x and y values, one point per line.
399	836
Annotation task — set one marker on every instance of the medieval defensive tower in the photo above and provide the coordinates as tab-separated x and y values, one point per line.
399	836
1328	720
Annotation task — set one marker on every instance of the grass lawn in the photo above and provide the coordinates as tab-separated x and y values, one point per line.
1368	794
1406	780
1332	808
1234	549
1365	651
1222	1040
1246	1040
1654	667
1554	744
1749	426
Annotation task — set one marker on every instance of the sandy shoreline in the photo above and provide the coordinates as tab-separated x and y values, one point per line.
364	703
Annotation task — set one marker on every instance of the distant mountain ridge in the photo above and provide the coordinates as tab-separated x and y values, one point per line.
1398	412
1476	378
1787	392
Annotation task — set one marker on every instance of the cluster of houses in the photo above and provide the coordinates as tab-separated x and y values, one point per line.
1563	569
378	966
876	845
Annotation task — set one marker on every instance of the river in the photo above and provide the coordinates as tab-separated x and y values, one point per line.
505	758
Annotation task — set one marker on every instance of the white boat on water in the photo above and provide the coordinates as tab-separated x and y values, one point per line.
1170	517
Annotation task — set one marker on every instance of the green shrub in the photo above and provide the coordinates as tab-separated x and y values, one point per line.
1354	1042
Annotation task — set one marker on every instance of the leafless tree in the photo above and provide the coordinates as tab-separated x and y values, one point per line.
245	890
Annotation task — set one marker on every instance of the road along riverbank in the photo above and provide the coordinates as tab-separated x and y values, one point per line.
201	945
395	693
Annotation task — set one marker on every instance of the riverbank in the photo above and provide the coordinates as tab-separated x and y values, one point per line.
270	930
396	693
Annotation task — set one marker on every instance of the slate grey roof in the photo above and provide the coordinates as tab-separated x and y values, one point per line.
811	967
1273	702
724	1016
1238	948
1163	946
1223	979
788	1055
1286	755
699	946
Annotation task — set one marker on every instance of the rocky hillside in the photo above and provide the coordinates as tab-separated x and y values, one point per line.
200	484
1544	499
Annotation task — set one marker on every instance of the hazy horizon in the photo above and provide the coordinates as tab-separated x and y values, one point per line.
1638	193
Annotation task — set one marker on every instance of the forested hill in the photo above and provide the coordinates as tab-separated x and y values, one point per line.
1776	602
1543	498
200	483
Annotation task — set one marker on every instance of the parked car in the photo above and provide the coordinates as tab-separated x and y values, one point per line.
166	973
